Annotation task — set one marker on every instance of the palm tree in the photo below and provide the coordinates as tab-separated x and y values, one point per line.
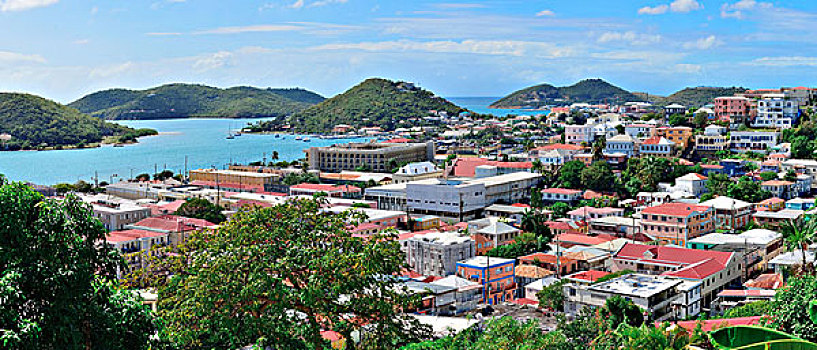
799	235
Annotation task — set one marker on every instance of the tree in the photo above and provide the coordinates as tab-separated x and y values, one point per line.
598	177
536	200
57	286
799	236
274	155
163	175
678	119
768	175
552	296
278	276
559	209
790	176
718	184
802	147
500	333
789	310
620	310
200	208
747	190
143	177
570	174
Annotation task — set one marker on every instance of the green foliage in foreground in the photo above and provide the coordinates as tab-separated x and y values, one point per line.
200	208
57	285
33	121
279	276
789	311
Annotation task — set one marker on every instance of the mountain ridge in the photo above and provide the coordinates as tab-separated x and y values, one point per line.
181	100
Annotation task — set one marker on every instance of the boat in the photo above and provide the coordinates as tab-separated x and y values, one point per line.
230	136
118	145
277	135
306	139
298	138
237	133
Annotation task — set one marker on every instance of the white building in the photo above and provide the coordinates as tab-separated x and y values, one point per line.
417	171
577	134
654	294
755	141
115	213
776	111
620	144
437	253
692	183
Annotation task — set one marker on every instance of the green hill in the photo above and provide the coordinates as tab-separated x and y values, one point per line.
588	90
696	96
190	100
33	121
374	102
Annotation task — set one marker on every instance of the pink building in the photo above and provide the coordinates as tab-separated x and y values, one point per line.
734	109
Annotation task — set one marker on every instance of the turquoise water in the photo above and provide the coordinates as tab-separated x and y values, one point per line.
203	141
480	105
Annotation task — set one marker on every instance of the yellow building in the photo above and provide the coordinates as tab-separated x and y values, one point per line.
680	135
241	181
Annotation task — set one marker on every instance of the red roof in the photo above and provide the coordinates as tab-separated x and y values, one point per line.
710	325
693	263
173	223
544	258
398	140
581	239
772	200
741	293
560	146
711	166
325	188
130	235
525	301
561	191
675	209
652	140
776	183
590	275
766	281
466	167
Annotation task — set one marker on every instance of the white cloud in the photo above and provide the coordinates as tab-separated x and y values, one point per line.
251	29
505	48
547	13
212	61
785	61
679	6
688	68
320	3
657	10
22	5
111	70
703	43
15	57
629	37
684	6
738	9
297	4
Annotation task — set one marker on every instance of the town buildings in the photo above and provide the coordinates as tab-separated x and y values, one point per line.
375	156
436	253
232	180
496	275
675	223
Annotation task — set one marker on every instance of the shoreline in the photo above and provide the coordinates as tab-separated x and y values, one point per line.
74	147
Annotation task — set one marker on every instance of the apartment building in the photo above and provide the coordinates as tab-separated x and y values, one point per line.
565	195
417	171
578	134
115	213
449	199
733	109
776	111
436	253
232	180
801	166
755	247
676	223
591	213
640	131
755	141
656	146
657	296
620	144
375	156
680	135
713	269
496	275
730	213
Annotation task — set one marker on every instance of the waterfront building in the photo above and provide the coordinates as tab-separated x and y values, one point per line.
378	157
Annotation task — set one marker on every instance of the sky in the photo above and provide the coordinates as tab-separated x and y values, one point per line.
64	49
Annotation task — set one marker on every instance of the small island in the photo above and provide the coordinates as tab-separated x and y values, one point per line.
29	122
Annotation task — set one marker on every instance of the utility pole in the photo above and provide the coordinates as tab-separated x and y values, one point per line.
184	176
96	179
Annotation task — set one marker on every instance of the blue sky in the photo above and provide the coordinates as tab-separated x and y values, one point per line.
63	49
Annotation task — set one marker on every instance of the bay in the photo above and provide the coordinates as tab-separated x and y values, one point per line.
203	141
